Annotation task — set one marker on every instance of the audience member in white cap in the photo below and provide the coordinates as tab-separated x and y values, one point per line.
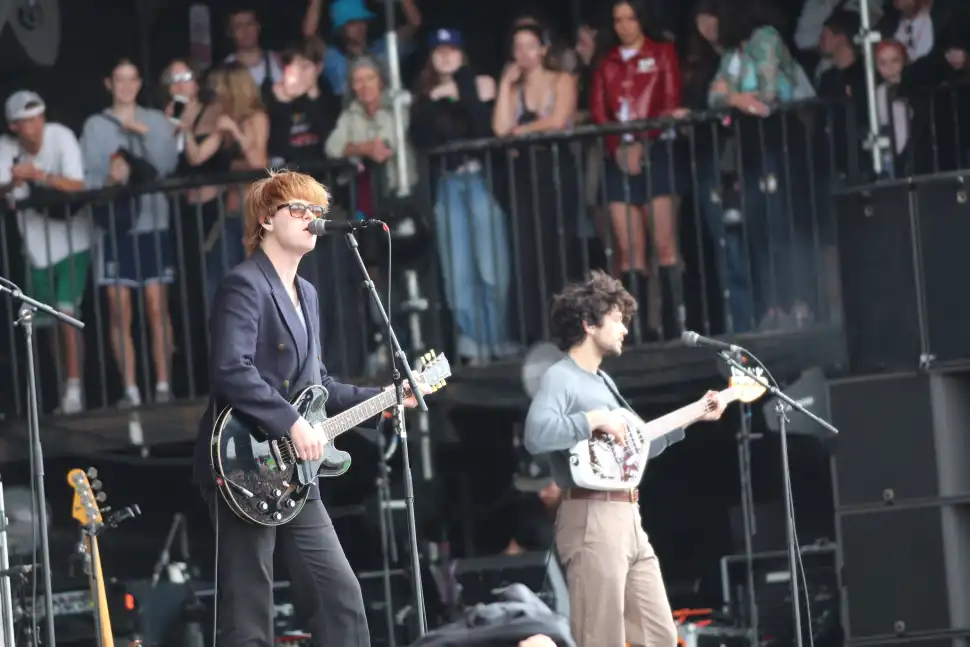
45	157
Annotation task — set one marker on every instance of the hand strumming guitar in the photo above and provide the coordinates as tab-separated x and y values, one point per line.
612	423
307	441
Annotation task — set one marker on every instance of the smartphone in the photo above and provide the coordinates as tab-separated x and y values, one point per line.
178	107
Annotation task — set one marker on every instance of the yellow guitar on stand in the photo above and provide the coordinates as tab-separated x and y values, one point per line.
87	511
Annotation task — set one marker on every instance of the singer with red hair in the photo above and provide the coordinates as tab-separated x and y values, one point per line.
265	348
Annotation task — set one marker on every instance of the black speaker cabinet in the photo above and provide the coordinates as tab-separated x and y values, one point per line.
902	470
903	261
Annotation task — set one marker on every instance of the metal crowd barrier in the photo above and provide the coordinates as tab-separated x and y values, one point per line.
517	217
156	330
512	220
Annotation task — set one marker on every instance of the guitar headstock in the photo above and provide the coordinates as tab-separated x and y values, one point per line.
748	389
87	497
434	370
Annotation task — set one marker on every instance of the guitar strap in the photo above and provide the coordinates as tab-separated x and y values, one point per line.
616	393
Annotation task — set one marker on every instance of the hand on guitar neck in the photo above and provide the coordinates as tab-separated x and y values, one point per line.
409	400
309	441
614	423
715	405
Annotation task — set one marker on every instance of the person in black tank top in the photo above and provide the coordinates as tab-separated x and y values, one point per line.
546	185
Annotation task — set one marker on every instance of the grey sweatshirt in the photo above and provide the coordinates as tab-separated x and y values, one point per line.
101	138
557	417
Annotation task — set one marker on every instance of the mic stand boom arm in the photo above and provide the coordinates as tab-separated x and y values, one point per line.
399	360
26	321
785	404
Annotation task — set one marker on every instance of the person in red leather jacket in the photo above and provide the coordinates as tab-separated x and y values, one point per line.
639	79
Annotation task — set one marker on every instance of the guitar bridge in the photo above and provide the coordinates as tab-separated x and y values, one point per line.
283	455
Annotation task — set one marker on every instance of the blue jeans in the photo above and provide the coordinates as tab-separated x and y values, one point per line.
473	246
762	262
226	253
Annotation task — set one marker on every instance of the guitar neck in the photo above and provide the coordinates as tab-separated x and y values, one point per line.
98	590
683	417
352	417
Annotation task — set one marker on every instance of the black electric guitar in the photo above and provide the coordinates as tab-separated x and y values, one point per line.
262	481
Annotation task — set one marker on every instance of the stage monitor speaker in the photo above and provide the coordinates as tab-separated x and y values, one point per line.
540	571
901	437
902	258
902	471
773	593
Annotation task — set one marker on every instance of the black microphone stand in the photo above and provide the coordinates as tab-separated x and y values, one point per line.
386	521
785	404
399	362
25	320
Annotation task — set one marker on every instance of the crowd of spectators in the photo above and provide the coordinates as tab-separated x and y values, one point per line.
503	246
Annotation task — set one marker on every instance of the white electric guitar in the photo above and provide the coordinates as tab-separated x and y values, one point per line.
602	464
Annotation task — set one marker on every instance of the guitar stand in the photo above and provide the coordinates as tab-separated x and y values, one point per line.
94	557
91	532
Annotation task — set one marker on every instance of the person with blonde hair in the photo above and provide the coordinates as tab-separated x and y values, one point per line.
265	328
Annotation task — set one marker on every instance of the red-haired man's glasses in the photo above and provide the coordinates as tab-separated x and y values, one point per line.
300	210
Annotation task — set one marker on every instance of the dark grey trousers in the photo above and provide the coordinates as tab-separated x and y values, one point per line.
326	593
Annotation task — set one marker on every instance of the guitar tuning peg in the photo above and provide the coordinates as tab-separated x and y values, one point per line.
92	473
101	497
442	384
96	484
426	357
432	353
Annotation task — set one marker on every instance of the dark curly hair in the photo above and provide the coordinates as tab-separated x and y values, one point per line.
589	303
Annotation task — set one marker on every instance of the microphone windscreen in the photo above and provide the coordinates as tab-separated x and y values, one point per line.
317	226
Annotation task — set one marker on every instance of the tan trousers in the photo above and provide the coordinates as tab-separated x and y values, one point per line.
613	576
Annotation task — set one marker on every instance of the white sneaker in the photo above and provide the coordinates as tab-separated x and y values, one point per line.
70	405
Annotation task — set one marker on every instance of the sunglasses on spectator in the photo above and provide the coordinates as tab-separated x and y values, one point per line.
299	210
181	77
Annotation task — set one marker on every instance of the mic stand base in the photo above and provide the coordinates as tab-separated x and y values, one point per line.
400	361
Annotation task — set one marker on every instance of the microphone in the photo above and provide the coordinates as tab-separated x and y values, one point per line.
693	339
321	227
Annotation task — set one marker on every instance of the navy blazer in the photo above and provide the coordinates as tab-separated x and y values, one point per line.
261	355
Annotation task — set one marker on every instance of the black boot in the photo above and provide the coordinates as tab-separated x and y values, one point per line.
636	284
673	312
648	334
